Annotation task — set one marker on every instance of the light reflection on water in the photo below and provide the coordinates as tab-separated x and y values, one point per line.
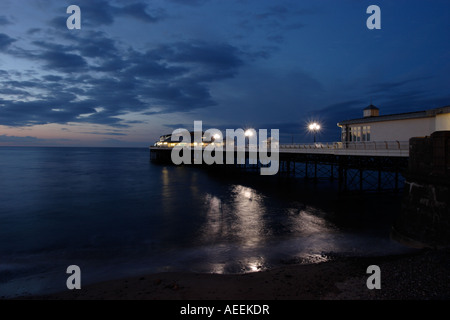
246	232
243	218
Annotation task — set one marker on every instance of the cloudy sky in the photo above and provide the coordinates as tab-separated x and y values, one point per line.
139	69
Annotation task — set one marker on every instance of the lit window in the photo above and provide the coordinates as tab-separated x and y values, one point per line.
366	133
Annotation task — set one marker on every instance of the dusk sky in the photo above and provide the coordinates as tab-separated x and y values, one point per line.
139	69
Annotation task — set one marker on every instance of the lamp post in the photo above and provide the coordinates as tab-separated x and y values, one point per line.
314	128
249	133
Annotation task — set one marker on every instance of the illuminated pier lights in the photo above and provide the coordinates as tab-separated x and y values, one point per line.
208	147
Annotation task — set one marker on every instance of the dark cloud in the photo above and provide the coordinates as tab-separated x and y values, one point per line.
144	65
190	2
52	78
5	41
50	46
54	57
21	84
209	61
133	121
59	22
95	79
96	12
97	44
64	62
102	12
181	96
275	21
15	92
140	11
33	31
51	110
92	78
4	21
216	55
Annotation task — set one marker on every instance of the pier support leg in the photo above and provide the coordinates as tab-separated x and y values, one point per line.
306	169
315	170
379	180
396	180
345	180
342	178
361	180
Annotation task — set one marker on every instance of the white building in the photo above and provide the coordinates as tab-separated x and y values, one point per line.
394	127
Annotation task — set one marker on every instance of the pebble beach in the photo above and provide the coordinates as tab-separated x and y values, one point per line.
418	276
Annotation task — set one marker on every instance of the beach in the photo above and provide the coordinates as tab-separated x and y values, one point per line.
418	276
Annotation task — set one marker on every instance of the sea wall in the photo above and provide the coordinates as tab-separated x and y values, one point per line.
424	220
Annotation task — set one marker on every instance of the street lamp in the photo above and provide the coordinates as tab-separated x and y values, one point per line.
314	128
249	133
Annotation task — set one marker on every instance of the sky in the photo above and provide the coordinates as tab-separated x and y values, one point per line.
140	69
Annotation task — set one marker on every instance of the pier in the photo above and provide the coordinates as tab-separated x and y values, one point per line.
357	166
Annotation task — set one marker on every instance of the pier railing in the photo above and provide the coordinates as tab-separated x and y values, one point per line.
371	148
381	148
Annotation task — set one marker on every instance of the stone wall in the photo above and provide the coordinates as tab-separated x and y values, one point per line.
425	217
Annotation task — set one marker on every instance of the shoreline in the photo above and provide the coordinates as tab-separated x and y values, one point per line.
414	276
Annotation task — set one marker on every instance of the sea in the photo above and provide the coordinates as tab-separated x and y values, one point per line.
115	214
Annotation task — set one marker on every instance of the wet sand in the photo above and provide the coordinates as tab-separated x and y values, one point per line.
419	276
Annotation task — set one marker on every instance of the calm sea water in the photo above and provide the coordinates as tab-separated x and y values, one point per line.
115	214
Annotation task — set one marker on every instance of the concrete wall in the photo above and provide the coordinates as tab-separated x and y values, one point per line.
402	130
443	122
